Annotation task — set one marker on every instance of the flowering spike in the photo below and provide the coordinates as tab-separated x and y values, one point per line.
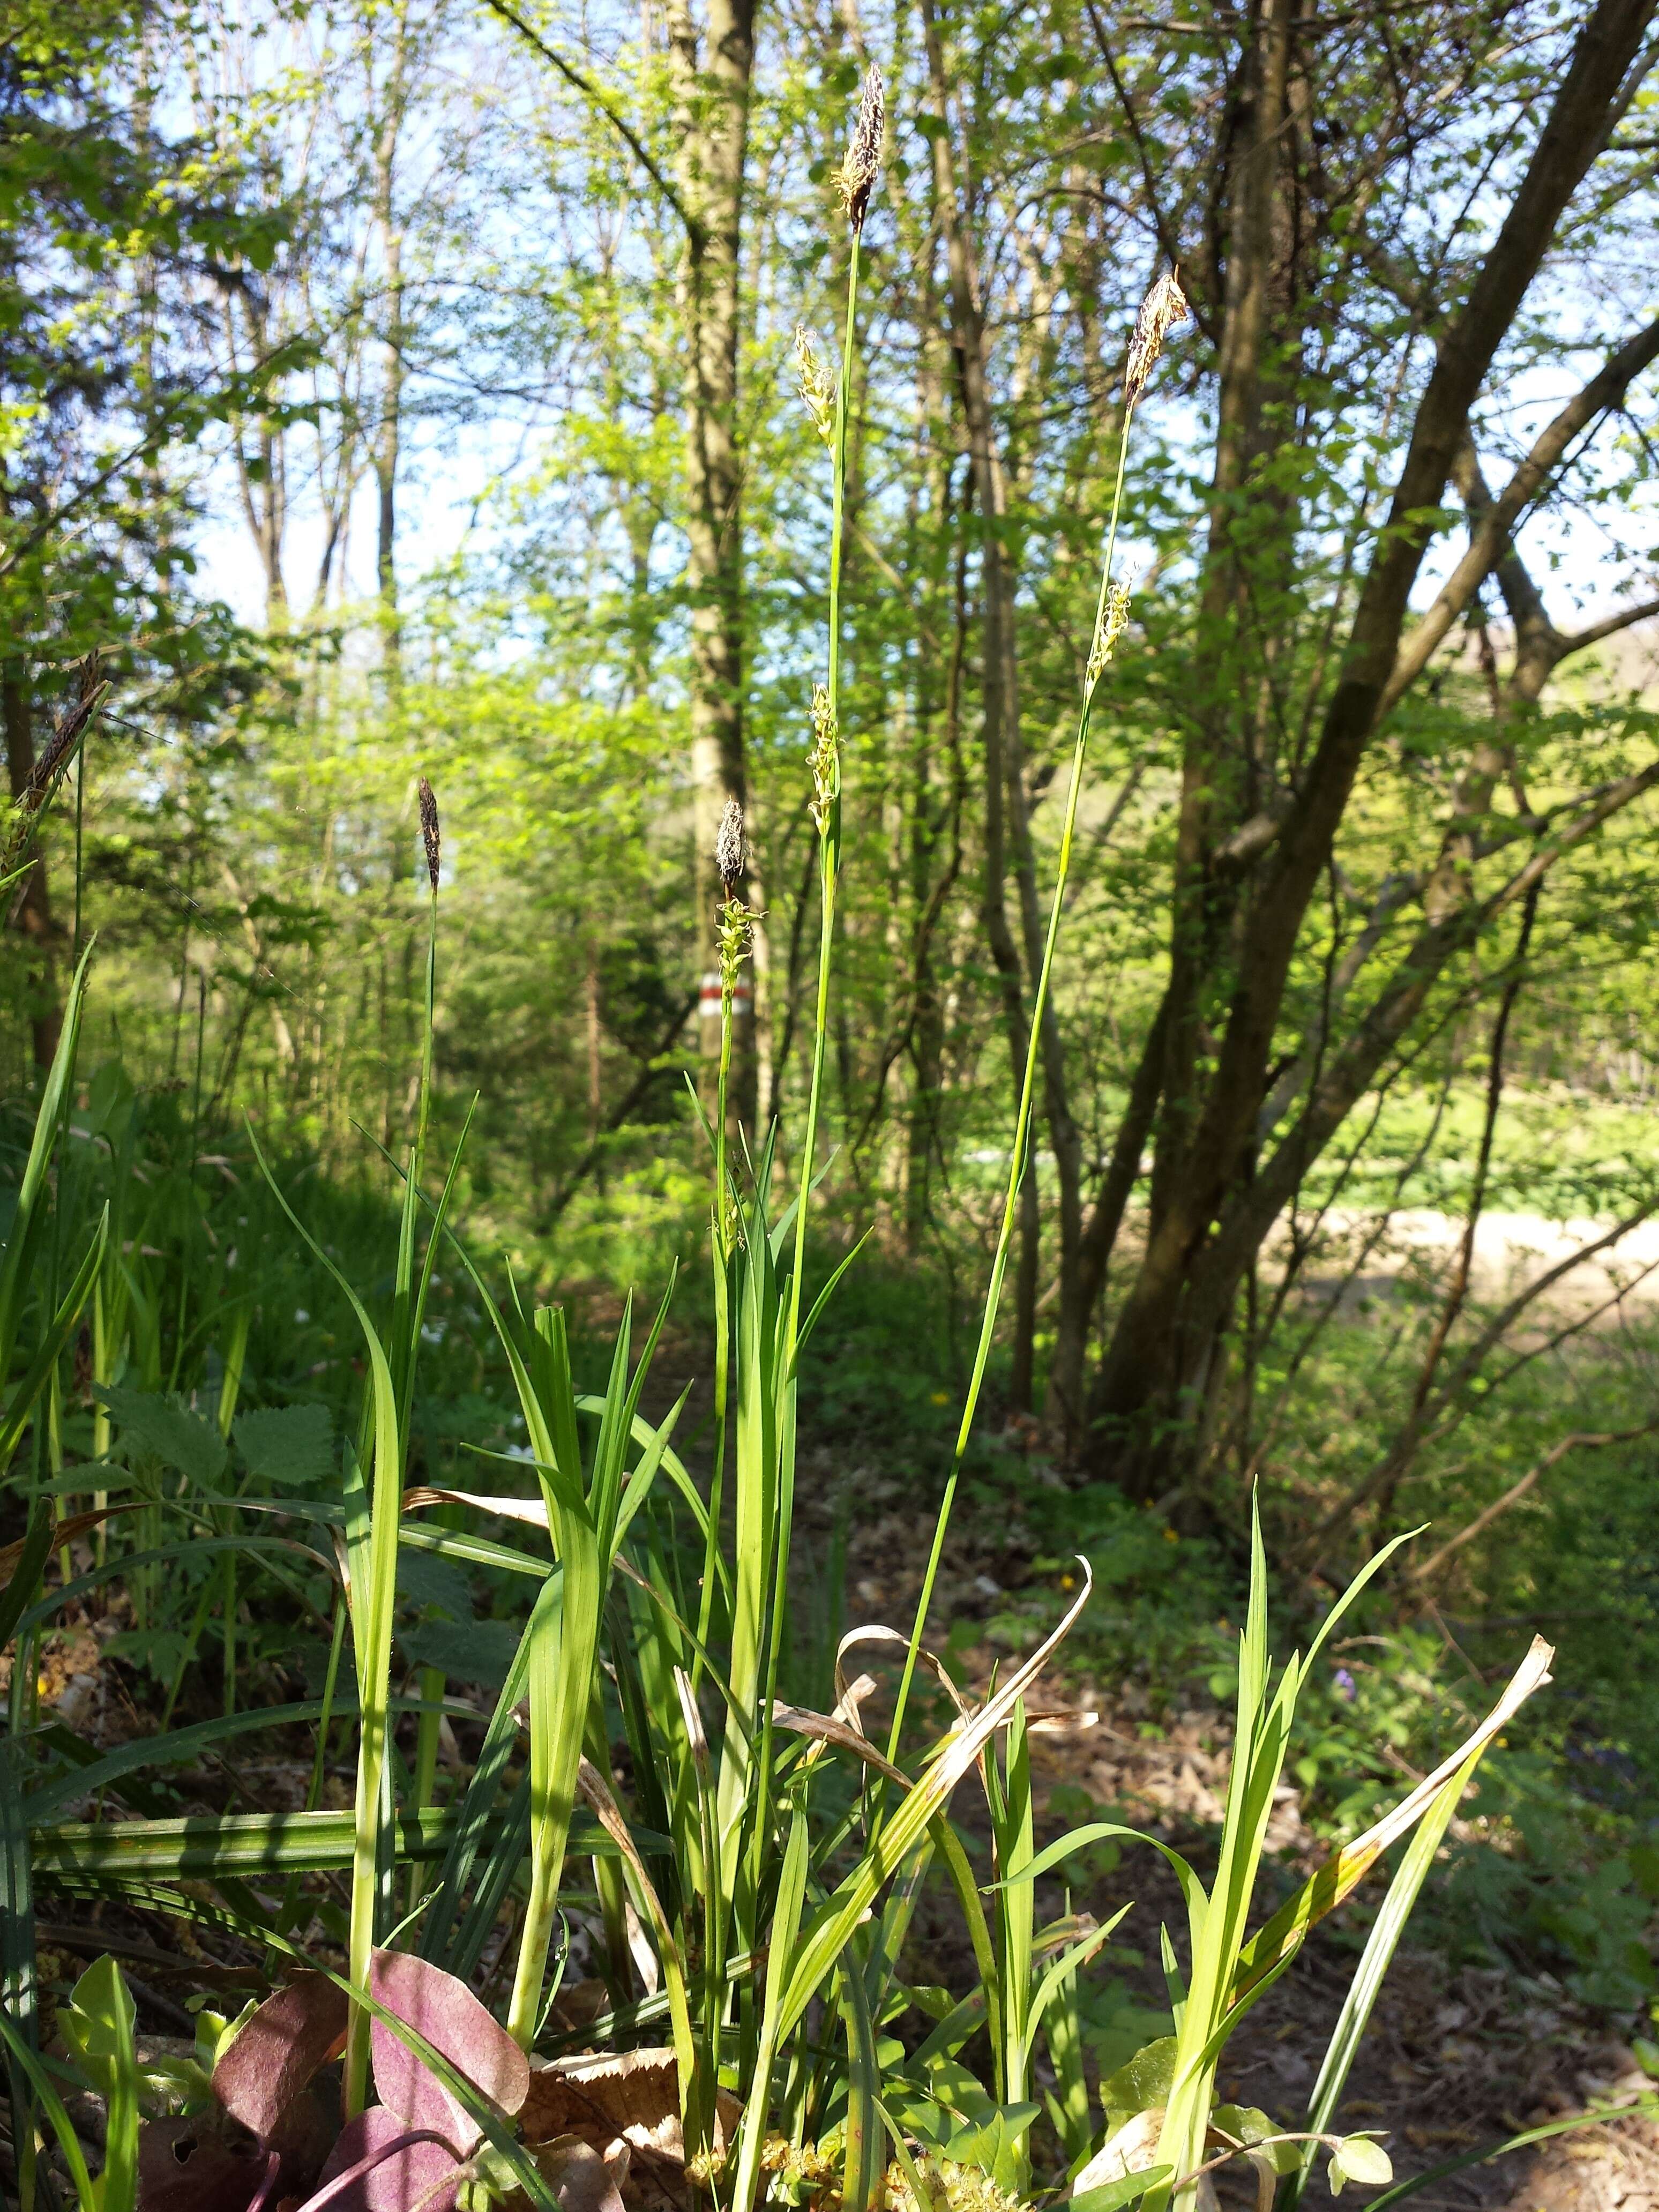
1114	615
430	834
816	385
1164	307
731	847
855	179
824	759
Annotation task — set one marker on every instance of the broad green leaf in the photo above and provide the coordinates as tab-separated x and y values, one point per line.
287	1445
98	2025
1143	2082
1357	2158
179	1438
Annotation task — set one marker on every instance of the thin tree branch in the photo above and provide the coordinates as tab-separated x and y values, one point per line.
1624	618
1490	532
1581	1439
1168	240
1467	1367
613	1120
624	130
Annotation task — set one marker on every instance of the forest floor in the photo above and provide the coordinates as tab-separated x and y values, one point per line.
1457	2056
1454	2057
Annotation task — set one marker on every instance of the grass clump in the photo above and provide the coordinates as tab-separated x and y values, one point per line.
658	1870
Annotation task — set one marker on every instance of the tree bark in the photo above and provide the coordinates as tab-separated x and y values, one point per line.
1007	816
711	74
1160	1345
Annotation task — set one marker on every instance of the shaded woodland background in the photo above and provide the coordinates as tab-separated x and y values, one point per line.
403	389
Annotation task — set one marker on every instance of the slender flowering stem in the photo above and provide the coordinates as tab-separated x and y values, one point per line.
731	862
723	1331
1105	606
827	807
826	810
432	839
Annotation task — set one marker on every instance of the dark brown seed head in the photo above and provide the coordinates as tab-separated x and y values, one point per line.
855	179
429	833
1164	306
731	848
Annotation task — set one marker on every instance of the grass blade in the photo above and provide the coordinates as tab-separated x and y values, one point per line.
1380	1945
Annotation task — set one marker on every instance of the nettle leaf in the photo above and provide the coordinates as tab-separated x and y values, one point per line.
160	1651
466	1651
426	1581
986	2144
167	1428
292	1446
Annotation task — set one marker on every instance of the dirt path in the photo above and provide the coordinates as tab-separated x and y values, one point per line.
1510	1250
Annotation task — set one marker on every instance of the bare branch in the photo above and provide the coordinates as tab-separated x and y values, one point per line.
1490	534
624	130
1624	618
1580	1440
1252	838
1386	1471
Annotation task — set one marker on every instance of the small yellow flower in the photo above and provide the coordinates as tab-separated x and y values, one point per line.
816	385
1171	1536
823	760
1068	1581
1109	628
941	1398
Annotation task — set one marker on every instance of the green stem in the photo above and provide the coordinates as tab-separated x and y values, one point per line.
426	1042
1019	1162
228	1570
830	827
723	1332
828	878
433	1683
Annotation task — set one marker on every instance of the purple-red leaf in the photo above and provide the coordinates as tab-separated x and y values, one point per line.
197	2166
372	2169
274	2055
444	2011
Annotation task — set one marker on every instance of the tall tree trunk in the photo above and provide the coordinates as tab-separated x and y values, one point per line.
46	1013
1211	1206
711	75
388	446
388	441
1006	818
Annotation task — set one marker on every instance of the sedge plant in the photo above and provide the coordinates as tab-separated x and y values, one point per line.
750	1892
